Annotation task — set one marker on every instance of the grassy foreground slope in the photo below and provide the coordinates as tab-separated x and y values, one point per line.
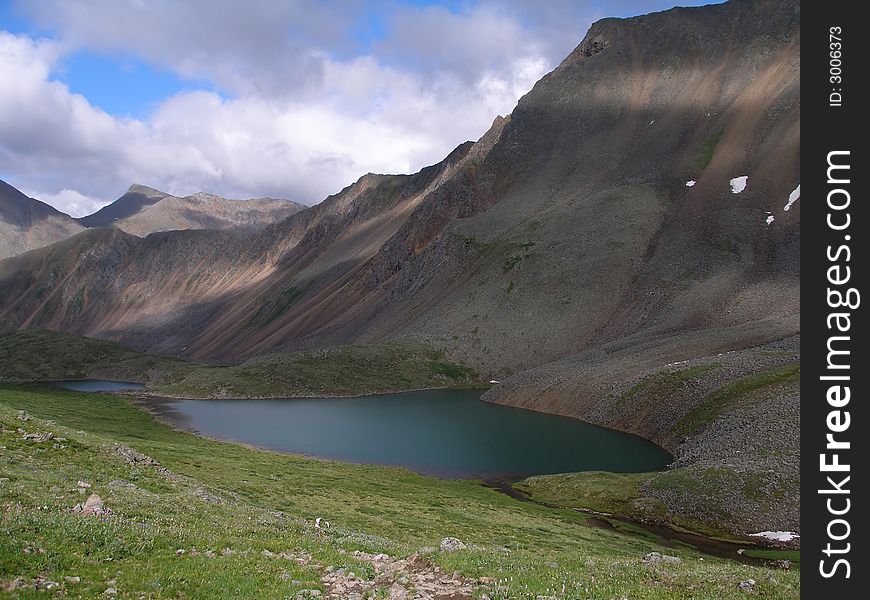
213	496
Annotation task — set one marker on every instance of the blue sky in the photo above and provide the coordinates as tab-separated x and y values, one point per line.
278	98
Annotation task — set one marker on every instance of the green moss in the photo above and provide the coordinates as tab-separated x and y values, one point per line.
665	383
708	149
342	370
510	262
523	251
36	354
279	305
597	491
722	399
451	370
789	555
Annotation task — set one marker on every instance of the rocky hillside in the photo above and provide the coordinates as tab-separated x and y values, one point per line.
143	210
567	236
569	230
26	223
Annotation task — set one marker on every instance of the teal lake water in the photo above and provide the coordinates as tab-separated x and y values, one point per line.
448	433
98	385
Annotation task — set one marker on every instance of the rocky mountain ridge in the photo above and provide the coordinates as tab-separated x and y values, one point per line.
567	228
26	223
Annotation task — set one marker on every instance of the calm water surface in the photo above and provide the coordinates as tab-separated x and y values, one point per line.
98	385
450	433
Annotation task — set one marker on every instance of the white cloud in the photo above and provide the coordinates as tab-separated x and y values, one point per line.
302	113
74	204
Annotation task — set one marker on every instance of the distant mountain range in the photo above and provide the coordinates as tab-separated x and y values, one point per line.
27	223
143	210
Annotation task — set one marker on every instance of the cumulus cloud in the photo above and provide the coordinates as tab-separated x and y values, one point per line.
290	103
74	204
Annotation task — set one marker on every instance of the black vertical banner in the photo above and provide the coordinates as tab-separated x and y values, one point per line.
834	264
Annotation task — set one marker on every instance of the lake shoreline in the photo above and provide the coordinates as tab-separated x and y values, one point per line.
325	396
669	535
447	433
160	408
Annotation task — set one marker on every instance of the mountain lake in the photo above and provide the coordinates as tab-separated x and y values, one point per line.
448	433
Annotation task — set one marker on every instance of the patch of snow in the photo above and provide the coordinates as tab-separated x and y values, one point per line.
653	121
769	219
793	197
738	184
777	536
691	183
494	381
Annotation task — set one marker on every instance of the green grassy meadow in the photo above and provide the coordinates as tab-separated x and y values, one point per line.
212	496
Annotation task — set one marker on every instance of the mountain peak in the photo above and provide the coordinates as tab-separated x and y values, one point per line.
150	192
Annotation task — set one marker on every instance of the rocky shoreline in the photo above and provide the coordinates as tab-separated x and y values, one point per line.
731	421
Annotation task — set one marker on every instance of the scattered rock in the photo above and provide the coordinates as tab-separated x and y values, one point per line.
83	484
179	552
134	457
395	578
71	579
654	558
207	496
451	544
227	552
110	592
306	594
746	586
36	436
267	553
41	583
19	583
122	484
92	506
